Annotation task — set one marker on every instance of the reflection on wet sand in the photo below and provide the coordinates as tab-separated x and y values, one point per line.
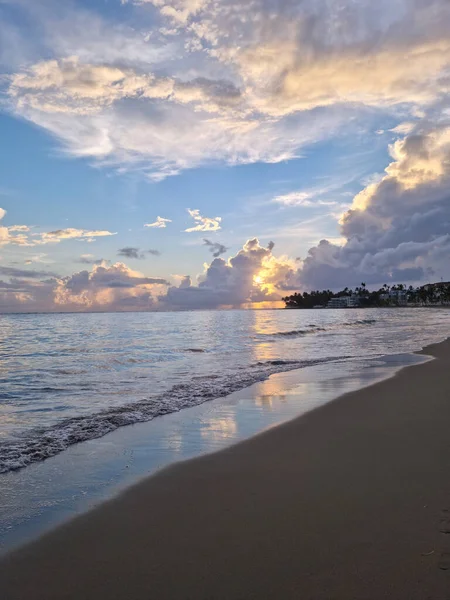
271	392
269	401
174	441
219	428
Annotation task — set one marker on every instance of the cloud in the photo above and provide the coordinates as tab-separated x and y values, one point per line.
215	247
160	126
38	258
397	228
137	253
72	234
69	86
160	223
303	198
27	295
203	223
252	275
294	199
114	287
114	276
204	85
403	128
324	194
25	273
14	234
89	259
20	235
299	84
297	57
129	252
179	11
103	288
15	228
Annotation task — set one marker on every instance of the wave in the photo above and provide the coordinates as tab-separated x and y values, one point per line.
311	329
298	332
68	371
38	444
363	322
194	350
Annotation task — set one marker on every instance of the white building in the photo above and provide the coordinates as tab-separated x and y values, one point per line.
399	297
344	302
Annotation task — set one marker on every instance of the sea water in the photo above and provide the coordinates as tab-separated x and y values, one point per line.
67	378
110	398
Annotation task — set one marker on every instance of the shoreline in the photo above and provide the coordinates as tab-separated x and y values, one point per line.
51	492
346	501
22	458
35	500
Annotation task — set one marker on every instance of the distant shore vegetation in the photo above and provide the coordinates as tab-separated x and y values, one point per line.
431	294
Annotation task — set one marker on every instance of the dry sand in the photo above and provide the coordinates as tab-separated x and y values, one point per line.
351	501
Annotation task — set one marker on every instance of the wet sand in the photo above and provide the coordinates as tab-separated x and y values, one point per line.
351	501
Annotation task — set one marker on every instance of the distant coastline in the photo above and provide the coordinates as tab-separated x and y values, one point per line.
430	294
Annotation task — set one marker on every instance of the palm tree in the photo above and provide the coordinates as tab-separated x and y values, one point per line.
423	295
411	294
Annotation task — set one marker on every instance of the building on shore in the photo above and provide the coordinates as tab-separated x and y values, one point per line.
344	302
398	297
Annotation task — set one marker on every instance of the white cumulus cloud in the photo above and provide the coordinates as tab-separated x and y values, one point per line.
159	223
203	223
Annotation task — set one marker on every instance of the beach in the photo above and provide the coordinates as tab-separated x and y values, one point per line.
352	500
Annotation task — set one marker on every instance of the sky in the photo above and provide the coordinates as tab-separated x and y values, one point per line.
200	154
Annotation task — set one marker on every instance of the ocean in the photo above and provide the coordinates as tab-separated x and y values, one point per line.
67	378
71	378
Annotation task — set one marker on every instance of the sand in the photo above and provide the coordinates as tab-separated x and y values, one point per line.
351	501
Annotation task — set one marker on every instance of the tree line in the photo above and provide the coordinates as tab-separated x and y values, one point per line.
429	294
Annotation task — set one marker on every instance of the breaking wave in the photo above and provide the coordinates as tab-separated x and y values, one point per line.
41	443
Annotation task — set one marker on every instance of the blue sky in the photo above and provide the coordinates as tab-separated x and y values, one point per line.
277	128
44	188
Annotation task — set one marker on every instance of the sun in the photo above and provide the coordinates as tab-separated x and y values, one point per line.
258	279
